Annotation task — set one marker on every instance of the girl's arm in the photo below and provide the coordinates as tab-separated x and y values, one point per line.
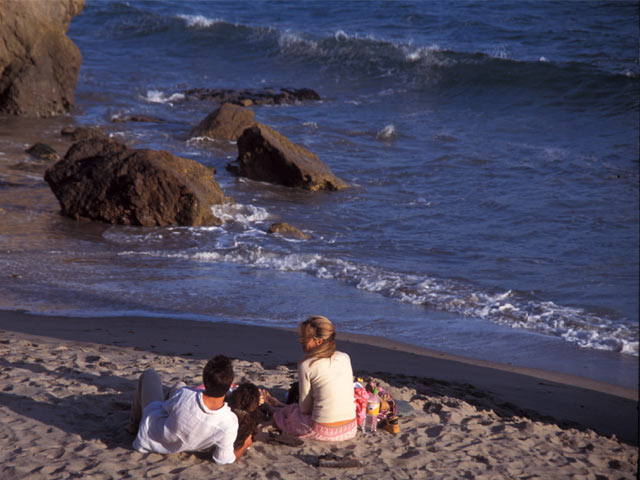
304	382
245	446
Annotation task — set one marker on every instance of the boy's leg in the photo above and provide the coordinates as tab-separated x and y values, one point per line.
149	390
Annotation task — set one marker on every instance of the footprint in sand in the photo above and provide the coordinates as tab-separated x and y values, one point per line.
434	431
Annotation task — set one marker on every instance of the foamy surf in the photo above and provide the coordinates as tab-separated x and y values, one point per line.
156	96
199	21
506	308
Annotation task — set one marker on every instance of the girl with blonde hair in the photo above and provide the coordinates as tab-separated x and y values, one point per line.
326	408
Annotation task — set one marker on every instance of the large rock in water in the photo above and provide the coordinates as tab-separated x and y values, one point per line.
226	123
267	156
39	64
286	230
102	179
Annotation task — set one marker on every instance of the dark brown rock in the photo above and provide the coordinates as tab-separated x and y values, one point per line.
267	156
101	147
226	123
104	180
249	97
75	134
137	118
287	230
39	64
42	151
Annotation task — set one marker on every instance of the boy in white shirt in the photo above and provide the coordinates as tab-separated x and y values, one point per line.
188	419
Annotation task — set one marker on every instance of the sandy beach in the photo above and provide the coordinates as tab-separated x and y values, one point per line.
66	384
451	176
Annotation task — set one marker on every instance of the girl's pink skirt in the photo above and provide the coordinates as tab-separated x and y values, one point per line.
292	421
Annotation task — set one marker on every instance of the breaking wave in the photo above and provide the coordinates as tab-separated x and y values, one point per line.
367	56
509	308
199	21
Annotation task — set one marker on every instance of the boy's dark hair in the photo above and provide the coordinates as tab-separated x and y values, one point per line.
246	397
247	426
217	376
293	395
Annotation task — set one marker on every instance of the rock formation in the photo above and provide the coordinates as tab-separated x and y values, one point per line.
250	97
226	123
286	230
104	180
135	117
267	156
39	64
75	134
42	151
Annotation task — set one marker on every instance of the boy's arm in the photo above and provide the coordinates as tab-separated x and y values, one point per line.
224	453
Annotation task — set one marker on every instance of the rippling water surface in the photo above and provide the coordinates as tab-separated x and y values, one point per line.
492	149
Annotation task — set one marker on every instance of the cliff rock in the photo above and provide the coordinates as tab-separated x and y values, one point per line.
39	64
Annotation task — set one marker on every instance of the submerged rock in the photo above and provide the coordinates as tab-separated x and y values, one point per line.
42	151
105	180
136	118
39	64
250	97
267	156
226	123
287	230
387	134
75	134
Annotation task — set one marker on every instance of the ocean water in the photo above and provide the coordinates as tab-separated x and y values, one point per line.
492	152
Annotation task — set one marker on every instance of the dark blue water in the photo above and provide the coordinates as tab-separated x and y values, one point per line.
492	149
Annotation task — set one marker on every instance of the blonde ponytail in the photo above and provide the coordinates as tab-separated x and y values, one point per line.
319	327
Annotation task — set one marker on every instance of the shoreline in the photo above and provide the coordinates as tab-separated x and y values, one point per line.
599	367
569	400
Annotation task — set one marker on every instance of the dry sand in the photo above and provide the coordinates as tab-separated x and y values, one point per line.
66	384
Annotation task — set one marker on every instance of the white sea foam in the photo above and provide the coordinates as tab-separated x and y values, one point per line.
387	92
196	140
292	41
630	348
199	21
193	141
506	308
341	36
499	52
156	96
413	54
388	133
239	213
420	201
